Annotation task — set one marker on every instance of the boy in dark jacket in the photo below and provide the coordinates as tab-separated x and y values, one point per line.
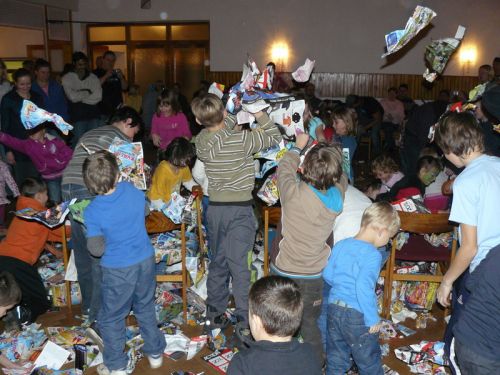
275	315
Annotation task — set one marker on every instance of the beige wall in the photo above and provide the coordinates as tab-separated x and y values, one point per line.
342	35
13	40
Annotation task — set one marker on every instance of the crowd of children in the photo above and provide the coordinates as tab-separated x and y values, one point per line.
322	286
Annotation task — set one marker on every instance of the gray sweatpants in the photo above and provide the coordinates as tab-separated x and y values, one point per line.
231	230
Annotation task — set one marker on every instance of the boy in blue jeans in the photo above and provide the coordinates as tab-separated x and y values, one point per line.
352	272
116	231
476	200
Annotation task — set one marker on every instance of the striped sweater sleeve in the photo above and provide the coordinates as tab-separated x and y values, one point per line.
265	136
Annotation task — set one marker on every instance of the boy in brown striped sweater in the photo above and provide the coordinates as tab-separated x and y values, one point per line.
228	157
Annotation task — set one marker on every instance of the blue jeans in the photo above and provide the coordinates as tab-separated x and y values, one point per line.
123	290
54	189
472	363
348	335
88	267
83	126
326	292
459	296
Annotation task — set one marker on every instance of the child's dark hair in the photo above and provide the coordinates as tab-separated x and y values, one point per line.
100	172
322	166
77	56
10	293
180	152
41	63
32	186
428	162
369	183
276	300
168	97
459	133
19	73
124	113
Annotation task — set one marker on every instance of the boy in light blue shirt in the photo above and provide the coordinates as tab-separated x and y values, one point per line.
476	201
352	272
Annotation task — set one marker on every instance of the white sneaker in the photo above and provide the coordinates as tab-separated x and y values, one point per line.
155	361
103	370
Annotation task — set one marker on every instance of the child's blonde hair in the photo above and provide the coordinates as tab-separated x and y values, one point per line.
208	110
346	114
381	215
384	163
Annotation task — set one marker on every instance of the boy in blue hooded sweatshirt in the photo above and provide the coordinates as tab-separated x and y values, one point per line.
310	203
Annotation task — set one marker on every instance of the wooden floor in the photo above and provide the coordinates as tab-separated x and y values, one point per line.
434	331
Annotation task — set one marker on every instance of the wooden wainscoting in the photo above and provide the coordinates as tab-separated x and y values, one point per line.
335	85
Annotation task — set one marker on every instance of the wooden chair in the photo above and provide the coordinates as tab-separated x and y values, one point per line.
201	238
65	253
418	249
157	222
272	216
366	140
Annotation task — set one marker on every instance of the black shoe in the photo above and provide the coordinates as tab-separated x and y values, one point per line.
217	322
23	315
94	334
220	321
242	337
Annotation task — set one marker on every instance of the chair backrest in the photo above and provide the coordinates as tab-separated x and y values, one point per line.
157	222
425	223
274	215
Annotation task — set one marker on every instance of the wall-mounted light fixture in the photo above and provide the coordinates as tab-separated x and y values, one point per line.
279	54
467	57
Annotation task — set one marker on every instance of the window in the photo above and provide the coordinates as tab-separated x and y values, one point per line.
106	33
148	33
190	32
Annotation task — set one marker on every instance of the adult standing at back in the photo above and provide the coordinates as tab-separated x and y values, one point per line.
5	87
10	113
150	104
50	90
113	83
370	114
394	115
84	93
417	130
125	124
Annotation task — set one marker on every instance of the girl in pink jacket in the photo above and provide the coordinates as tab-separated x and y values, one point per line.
49	154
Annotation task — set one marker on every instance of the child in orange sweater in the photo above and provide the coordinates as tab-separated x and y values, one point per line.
22	246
